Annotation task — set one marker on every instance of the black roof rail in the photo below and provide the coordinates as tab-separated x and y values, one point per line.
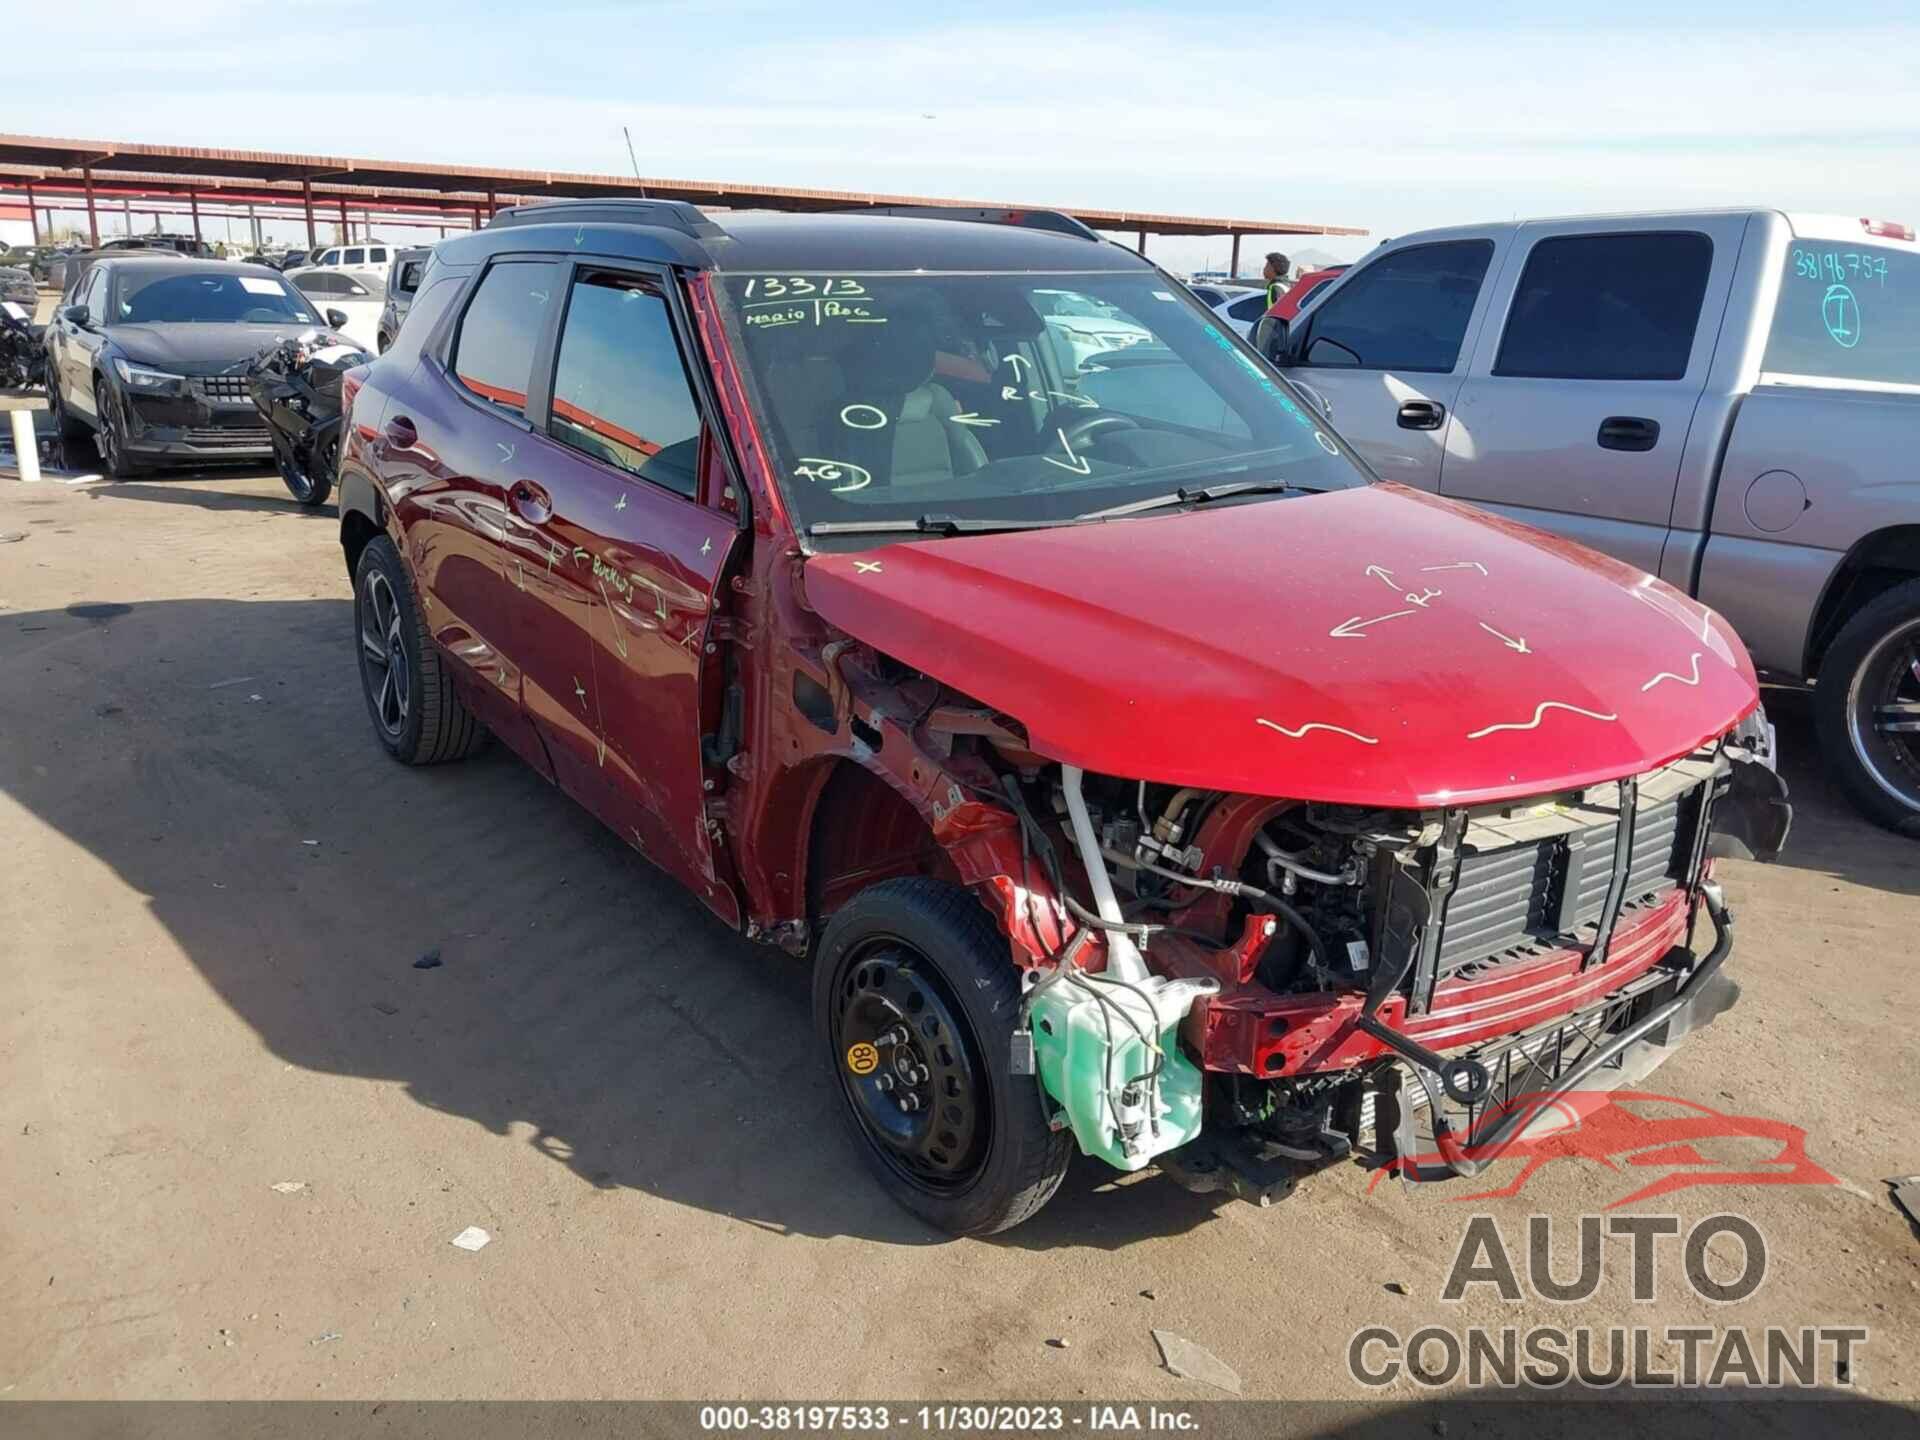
1055	220
680	215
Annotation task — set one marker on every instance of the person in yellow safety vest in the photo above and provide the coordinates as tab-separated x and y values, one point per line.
1275	274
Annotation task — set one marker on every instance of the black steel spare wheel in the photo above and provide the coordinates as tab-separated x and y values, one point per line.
910	1067
916	999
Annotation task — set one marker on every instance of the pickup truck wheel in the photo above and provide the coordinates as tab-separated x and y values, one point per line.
1867	705
915	999
415	713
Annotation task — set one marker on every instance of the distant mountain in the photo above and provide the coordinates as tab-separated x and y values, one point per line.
1311	259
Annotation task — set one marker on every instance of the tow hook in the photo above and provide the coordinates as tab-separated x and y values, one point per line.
1465	1081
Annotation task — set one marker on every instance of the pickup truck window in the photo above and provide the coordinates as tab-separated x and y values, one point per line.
1847	312
1607	307
1405	311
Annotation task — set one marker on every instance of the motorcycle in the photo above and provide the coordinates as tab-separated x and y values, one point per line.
23	353
295	385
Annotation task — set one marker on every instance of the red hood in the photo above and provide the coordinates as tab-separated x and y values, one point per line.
1244	648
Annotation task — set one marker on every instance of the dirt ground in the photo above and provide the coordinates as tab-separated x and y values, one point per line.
217	885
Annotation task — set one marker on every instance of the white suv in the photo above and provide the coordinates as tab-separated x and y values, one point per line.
368	259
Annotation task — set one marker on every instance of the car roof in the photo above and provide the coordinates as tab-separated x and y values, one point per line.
127	264
749	242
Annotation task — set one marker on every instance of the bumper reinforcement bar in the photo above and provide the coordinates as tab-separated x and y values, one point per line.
1480	1151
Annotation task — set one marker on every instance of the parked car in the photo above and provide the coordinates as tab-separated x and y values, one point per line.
361	301
1728	399
292	260
17	286
1087	327
48	262
1240	307
801	554
71	273
368	260
403	282
149	359
1308	287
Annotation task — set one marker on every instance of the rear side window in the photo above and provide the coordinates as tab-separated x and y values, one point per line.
493	352
1251	308
409	280
1405	311
1847	312
620	388
1607	307
377	257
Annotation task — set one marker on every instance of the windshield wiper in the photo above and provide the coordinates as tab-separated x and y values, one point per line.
1191	495
934	525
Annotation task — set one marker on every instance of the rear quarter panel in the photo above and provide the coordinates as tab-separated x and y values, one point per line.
1809	471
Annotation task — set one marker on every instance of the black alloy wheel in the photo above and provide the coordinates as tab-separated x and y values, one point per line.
110	439
385	668
1867	705
417	717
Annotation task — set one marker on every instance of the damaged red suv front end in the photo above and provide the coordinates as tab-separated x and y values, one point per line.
1138	774
1419	802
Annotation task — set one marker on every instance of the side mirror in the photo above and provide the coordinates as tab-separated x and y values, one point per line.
337	319
77	315
1270	336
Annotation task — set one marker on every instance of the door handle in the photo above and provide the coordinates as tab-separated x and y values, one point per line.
1628	432
401	434
1421	415
530	502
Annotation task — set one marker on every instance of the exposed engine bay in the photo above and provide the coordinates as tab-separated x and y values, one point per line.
1236	986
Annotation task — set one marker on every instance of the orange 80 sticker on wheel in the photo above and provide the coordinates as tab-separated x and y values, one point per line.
862	1058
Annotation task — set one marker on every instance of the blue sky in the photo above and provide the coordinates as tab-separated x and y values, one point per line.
1348	116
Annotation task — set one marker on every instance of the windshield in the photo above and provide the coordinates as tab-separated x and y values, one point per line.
1847	312
1021	396
203	297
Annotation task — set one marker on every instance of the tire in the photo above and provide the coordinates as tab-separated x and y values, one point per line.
70	430
1872	667
421	722
311	487
924	953
110	438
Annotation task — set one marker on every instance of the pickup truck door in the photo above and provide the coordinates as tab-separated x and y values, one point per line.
625	478
1388	350
1580	400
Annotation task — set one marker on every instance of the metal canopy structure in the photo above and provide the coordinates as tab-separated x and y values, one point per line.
48	171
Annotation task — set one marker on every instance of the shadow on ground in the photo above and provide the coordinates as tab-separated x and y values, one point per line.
217	756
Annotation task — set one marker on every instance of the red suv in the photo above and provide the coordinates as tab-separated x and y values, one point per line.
1137	773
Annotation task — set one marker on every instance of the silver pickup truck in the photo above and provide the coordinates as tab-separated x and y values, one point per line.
1727	399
